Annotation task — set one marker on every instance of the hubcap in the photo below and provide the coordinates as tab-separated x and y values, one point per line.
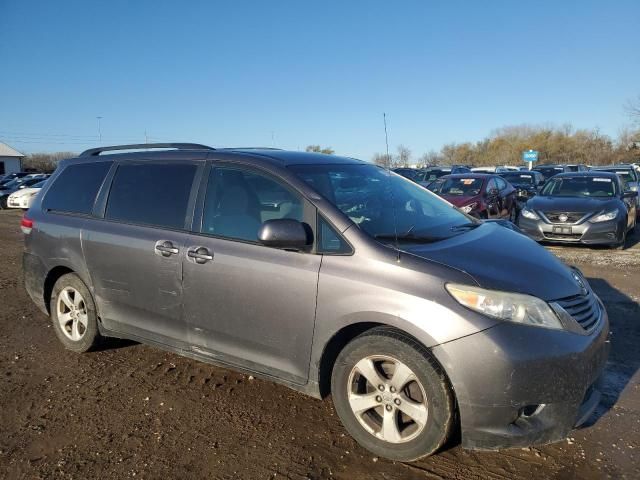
387	399
72	314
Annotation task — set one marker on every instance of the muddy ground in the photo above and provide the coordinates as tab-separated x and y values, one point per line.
132	411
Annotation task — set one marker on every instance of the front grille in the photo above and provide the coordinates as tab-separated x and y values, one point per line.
583	308
563	236
572	217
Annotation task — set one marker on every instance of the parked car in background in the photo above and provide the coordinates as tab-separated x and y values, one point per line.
15	185
414	174
8	177
419	320
551	170
433	173
506	168
575	167
23	198
627	174
526	183
583	207
478	194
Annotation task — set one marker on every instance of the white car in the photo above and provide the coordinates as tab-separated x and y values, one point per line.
24	197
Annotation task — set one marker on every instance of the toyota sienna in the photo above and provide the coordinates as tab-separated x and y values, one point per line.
329	275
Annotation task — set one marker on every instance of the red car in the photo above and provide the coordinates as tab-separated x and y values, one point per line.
478	194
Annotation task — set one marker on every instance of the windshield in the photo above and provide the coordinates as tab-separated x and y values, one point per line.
629	175
461	187
372	198
518	178
431	175
599	187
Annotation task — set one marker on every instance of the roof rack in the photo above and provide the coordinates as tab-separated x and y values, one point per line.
94	152
249	148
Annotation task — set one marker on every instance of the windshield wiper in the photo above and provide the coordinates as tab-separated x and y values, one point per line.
410	238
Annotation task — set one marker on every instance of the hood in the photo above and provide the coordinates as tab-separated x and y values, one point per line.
572	204
460	200
502	259
24	191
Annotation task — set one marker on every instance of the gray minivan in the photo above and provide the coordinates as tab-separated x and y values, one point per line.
328	274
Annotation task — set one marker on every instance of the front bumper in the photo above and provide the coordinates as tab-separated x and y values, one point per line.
603	233
518	386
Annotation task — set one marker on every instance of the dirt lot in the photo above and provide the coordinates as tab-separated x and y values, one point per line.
135	411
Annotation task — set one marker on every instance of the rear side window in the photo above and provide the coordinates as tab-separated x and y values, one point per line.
75	189
151	194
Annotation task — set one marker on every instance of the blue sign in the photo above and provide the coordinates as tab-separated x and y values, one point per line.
530	156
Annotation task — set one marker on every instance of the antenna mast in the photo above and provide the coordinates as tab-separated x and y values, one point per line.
393	206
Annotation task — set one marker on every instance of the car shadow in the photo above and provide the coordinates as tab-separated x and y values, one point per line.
624	356
112	343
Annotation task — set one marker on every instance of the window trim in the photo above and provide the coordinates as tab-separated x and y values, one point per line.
309	210
100	207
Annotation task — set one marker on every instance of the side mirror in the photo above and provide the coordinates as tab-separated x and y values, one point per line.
285	233
630	194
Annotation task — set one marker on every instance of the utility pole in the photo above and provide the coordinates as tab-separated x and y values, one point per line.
99	130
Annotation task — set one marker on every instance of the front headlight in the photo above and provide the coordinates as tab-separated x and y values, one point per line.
604	217
527	213
469	208
512	307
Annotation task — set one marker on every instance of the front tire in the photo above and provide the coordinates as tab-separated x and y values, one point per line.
73	314
391	395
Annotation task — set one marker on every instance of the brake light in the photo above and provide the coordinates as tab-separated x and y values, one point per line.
26	224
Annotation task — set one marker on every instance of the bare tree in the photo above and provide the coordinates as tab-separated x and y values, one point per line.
633	109
45	162
404	156
383	160
319	149
430	159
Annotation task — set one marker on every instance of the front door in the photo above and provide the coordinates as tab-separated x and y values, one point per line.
246	304
134	254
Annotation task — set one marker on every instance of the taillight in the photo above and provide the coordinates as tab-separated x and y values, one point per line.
26	225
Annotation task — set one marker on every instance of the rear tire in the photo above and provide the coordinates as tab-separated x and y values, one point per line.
392	396
73	313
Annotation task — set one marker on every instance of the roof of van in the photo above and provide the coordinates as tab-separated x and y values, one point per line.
271	155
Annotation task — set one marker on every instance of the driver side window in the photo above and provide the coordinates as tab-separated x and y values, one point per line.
238	201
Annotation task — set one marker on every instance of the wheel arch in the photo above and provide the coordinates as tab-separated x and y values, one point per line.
346	334
50	280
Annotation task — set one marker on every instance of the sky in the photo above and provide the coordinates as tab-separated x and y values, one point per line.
289	74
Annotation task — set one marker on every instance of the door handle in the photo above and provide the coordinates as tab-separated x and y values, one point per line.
166	248
200	255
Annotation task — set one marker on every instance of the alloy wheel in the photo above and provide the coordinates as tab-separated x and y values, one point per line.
387	399
72	313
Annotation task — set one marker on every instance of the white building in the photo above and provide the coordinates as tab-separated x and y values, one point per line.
10	159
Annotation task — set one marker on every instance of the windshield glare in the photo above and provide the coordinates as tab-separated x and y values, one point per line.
372	198
598	187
